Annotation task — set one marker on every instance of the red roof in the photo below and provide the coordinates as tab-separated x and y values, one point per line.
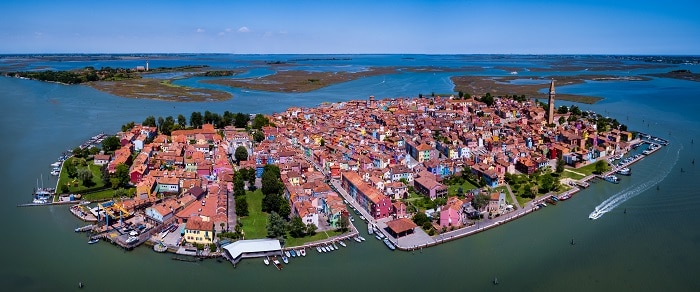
401	225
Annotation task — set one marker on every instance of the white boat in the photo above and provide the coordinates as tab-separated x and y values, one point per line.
286	253
56	164
370	228
324	249
55	172
318	248
93	241
357	239
389	244
624	171
361	238
611	178
266	261
285	259
303	252
342	243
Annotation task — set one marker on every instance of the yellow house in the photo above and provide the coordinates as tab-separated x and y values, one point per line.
197	230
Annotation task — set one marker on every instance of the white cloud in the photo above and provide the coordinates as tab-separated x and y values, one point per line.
200	30
243	29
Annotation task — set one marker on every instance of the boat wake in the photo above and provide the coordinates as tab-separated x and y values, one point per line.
631	192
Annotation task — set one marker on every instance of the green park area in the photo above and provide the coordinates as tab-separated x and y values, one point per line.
255	225
82	176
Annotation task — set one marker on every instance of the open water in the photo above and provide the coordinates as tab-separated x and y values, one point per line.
651	247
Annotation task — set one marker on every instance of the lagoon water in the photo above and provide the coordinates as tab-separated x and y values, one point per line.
651	247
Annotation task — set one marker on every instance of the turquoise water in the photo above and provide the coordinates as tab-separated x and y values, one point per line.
652	247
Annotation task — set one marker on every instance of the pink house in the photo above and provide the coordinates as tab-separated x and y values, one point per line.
450	217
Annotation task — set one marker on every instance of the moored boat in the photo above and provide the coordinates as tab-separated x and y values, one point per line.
342	243
611	178
287	254
318	248
624	171
93	241
361	238
303	252
389	244
266	261
357	239
293	253
285	259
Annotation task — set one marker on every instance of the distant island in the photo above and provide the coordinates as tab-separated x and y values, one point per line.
679	74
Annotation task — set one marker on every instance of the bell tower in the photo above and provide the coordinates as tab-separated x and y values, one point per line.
550	112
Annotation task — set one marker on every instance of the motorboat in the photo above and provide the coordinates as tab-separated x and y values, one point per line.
342	243
93	240
389	244
303	252
266	261
611	178
285	259
624	171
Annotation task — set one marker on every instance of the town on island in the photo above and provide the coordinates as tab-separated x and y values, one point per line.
417	171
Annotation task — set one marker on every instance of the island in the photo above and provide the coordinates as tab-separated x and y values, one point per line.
416	171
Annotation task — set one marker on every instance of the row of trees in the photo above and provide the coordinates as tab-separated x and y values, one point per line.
239	179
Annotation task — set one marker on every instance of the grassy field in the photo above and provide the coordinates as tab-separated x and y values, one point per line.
466	186
291	241
255	224
76	185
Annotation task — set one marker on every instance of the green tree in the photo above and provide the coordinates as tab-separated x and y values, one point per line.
260	121
150	121
241	206
93	150
270	181
241	154
196	120
560	165
284	208
70	168
480	200
546	183
276	226
121	175
562	110
78	152
311	229
461	94
601	167
182	121
105	175
240	120
420	219
297	228
343	223
85	175
111	143
575	110
258	136
561	120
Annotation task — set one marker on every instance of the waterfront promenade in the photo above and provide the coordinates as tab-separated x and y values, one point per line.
419	239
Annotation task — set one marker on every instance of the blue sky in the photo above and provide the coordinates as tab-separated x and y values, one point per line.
431	27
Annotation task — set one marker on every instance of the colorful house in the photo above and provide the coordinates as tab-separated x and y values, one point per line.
199	231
